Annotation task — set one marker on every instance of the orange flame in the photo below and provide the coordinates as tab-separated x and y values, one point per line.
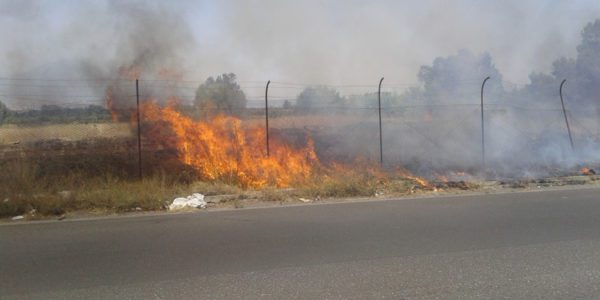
587	171
422	182
110	104
442	178
222	149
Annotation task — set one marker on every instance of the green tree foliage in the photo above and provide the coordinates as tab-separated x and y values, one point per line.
582	74
457	79
318	98
220	95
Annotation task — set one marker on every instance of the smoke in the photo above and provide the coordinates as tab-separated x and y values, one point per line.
75	52
360	41
106	44
307	41
437	127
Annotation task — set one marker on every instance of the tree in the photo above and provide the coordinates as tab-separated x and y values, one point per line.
287	104
223	95
582	74
3	112
456	78
319	97
587	65
543	90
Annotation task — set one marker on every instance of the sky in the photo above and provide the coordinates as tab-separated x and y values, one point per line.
306	42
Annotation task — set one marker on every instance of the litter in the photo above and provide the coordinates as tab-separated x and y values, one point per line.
196	200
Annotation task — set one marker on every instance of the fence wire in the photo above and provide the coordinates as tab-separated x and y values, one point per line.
71	123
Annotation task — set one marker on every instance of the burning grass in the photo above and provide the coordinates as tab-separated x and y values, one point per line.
46	183
215	156
60	176
46	186
221	149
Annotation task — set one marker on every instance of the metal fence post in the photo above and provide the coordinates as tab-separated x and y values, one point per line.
565	113
380	129
482	128
139	131
267	115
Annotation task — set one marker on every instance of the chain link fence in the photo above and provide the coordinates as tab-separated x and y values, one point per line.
91	127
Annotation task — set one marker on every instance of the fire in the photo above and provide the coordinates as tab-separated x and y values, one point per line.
110	96
421	181
587	171
223	149
442	178
418	180
110	104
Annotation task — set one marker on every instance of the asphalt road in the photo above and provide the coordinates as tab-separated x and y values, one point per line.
518	245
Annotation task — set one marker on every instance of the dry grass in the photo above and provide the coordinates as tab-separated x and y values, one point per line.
276	195
10	134
100	174
42	187
355	184
27	187
25	191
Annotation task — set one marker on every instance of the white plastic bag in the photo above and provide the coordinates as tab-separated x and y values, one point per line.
196	200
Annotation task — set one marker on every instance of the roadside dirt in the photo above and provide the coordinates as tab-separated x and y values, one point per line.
256	199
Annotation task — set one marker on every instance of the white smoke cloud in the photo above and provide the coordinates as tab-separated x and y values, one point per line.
323	42
299	41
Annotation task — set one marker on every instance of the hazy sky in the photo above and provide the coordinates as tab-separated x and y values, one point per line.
329	42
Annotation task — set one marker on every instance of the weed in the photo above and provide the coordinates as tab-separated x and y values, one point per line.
238	204
275	195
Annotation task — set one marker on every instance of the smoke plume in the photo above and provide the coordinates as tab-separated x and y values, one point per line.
73	52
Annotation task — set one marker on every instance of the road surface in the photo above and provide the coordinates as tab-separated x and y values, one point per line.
517	245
